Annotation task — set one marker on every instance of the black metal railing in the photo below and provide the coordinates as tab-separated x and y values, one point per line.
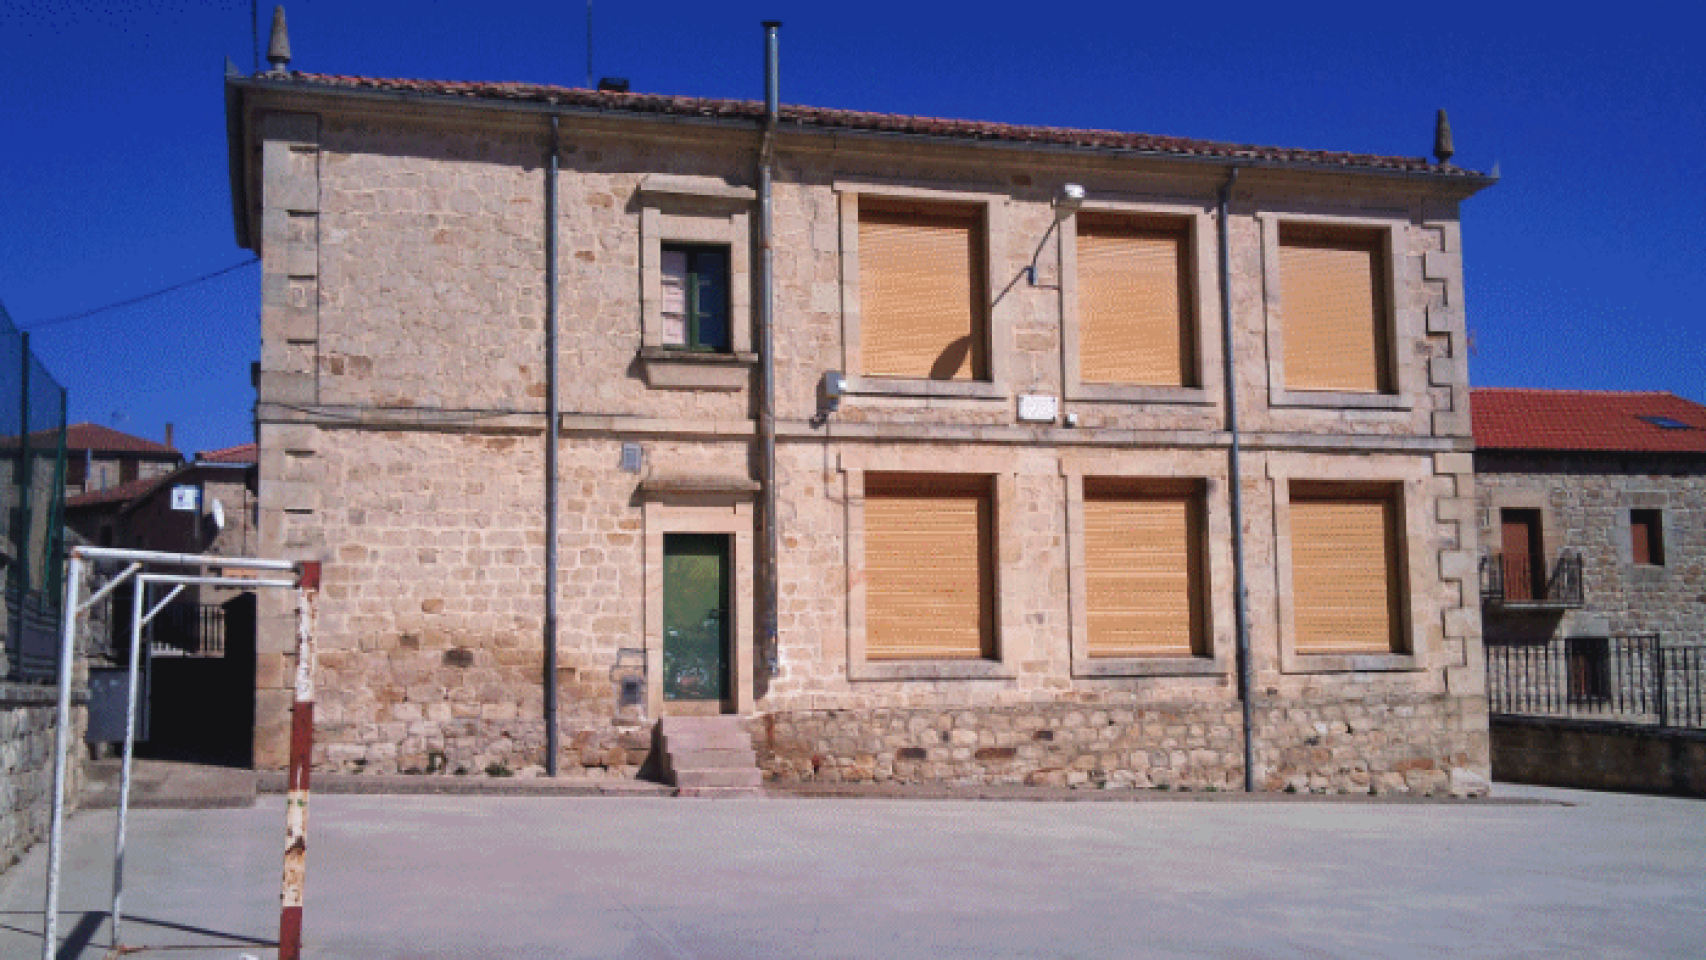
196	630
1631	679
1521	579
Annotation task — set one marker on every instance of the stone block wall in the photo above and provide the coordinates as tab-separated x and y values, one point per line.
1590	755
1584	502
26	766
1401	744
402	443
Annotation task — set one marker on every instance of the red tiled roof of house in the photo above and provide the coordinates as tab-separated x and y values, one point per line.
1586	420
120	494
241	453
804	116
93	436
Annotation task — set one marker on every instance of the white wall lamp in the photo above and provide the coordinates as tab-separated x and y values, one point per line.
1066	202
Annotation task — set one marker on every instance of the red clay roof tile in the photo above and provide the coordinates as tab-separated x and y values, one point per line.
878	122
1585	420
241	453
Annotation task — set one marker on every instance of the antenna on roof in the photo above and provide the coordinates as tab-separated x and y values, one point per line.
254	36
278	48
589	44
1442	139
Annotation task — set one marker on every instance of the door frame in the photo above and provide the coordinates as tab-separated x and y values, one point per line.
713	515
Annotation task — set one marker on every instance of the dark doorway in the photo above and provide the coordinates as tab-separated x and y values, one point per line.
202	684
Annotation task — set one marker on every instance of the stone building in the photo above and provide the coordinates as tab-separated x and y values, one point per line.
1002	475
100	458
1591	506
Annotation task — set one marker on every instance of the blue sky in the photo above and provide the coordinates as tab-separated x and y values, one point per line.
1586	266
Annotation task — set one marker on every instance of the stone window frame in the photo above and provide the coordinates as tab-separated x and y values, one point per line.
1404	323
1630	500
1208	467
705	211
1205	307
997	329
1421	629
700	507
1003	501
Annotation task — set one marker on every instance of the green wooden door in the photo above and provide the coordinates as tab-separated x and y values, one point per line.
695	616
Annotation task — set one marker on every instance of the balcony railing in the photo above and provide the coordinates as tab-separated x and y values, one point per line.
1522	581
1634	679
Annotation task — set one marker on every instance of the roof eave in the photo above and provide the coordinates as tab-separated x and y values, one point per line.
236	159
1464	183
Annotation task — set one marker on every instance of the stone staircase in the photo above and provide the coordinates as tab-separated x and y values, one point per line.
709	757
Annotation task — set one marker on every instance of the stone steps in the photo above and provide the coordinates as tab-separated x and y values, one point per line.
709	757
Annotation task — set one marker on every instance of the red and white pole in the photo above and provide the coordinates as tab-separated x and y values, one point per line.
301	749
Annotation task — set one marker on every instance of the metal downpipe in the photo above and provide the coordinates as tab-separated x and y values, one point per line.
552	427
1235	483
766	353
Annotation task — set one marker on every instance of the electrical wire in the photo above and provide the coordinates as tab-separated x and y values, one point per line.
68	318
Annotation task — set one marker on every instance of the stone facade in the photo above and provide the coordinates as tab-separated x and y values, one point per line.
1585	500
26	766
402	432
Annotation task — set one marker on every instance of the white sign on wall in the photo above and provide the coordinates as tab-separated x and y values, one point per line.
1037	408
186	497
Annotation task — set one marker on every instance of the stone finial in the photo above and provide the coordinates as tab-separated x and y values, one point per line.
278	48
1442	139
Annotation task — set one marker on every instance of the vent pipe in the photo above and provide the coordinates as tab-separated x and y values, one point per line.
553	425
1235	485
766	353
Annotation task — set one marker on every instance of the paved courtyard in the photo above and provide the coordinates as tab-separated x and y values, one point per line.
445	876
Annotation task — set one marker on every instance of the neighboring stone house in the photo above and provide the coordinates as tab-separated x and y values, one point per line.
100	458
1002	442
205	506
1593	507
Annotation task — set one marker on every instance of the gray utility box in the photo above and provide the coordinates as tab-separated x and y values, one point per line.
109	695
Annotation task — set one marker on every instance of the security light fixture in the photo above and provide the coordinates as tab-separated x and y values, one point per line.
1066	202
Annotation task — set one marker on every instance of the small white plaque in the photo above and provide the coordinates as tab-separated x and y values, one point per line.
186	497
1036	408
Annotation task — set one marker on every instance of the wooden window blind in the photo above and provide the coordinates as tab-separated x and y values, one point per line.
921	293
1134	303
1143	572
1332	288
1345	574
929	581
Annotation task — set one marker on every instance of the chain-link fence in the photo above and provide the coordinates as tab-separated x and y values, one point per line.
32	507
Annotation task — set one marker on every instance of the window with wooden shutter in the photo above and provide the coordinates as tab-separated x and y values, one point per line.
929	578
1134	302
921	292
1345	571
1647	539
1143	569
1333	307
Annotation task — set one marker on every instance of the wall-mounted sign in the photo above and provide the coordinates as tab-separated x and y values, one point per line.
1037	408
186	497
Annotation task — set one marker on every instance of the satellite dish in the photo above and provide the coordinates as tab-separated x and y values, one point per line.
218	515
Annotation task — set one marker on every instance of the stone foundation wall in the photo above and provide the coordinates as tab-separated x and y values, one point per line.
26	767
1426	745
1592	755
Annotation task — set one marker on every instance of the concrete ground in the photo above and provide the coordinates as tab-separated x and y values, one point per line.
1586	875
